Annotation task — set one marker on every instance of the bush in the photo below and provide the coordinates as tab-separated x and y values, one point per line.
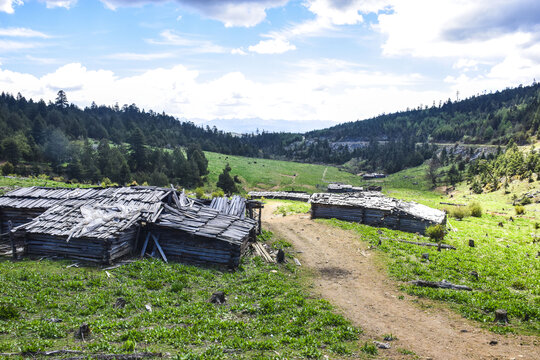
436	232
458	212
7	169
520	209
475	209
218	193
525	201
368	348
476	187
199	193
8	312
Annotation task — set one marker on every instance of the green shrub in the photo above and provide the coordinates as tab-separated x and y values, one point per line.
520	209
8	168
458	212
369	348
199	193
153	285
218	193
476	187
8	312
525	201
436	232
475	209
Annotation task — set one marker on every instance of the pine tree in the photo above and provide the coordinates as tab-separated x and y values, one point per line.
61	100
226	182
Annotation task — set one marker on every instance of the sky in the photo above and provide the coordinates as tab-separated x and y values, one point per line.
290	65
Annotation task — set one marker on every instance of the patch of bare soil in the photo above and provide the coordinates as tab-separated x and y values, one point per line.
348	275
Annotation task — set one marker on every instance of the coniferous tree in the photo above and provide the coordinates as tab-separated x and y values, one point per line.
226	182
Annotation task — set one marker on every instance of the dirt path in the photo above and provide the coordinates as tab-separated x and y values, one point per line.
346	273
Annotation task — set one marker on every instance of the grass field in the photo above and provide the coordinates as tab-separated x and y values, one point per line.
268	313
264	174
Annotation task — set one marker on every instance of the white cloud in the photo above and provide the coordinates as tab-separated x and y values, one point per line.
7	6
272	46
329	90
9	46
171	38
22	32
67	4
246	13
139	56
238	51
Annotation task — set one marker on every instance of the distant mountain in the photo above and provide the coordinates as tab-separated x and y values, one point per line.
249	126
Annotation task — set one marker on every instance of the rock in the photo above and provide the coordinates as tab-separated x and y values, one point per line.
425	256
83	332
120	303
297	262
53	320
381	345
493	342
148	307
218	298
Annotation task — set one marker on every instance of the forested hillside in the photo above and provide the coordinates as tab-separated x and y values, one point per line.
120	144
126	143
493	118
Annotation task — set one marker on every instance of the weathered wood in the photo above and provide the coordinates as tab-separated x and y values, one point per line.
145	244
501	316
440	285
156	242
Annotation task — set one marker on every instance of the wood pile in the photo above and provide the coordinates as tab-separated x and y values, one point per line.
375	209
235	206
282	195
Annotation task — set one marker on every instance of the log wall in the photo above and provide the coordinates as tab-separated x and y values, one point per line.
184	247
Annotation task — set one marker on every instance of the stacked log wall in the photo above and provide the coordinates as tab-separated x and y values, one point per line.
184	247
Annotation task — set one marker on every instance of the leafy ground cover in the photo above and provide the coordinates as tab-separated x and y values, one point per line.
292	207
268	313
265	174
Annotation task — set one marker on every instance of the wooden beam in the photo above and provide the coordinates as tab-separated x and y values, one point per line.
145	244
159	248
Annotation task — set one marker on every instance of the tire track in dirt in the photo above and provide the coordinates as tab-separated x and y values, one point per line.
346	273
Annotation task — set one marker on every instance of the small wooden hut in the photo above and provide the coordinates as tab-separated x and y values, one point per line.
375	209
200	234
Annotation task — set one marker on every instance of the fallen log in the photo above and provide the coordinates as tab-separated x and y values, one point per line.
451	204
440	285
442	246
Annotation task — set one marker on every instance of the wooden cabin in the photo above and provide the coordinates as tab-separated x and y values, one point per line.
101	225
375	209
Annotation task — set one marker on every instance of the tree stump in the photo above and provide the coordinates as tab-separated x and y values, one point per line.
280	257
474	274
218	298
471	243
120	303
83	332
425	256
501	316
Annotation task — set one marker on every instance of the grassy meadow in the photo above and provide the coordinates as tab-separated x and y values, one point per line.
273	175
268	313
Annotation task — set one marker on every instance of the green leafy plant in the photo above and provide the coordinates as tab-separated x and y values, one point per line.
436	232
475	209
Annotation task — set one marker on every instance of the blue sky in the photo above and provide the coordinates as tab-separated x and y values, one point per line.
275	64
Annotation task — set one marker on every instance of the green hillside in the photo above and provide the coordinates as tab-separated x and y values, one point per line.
265	174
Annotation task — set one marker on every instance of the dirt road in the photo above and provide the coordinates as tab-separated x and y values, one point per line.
347	274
